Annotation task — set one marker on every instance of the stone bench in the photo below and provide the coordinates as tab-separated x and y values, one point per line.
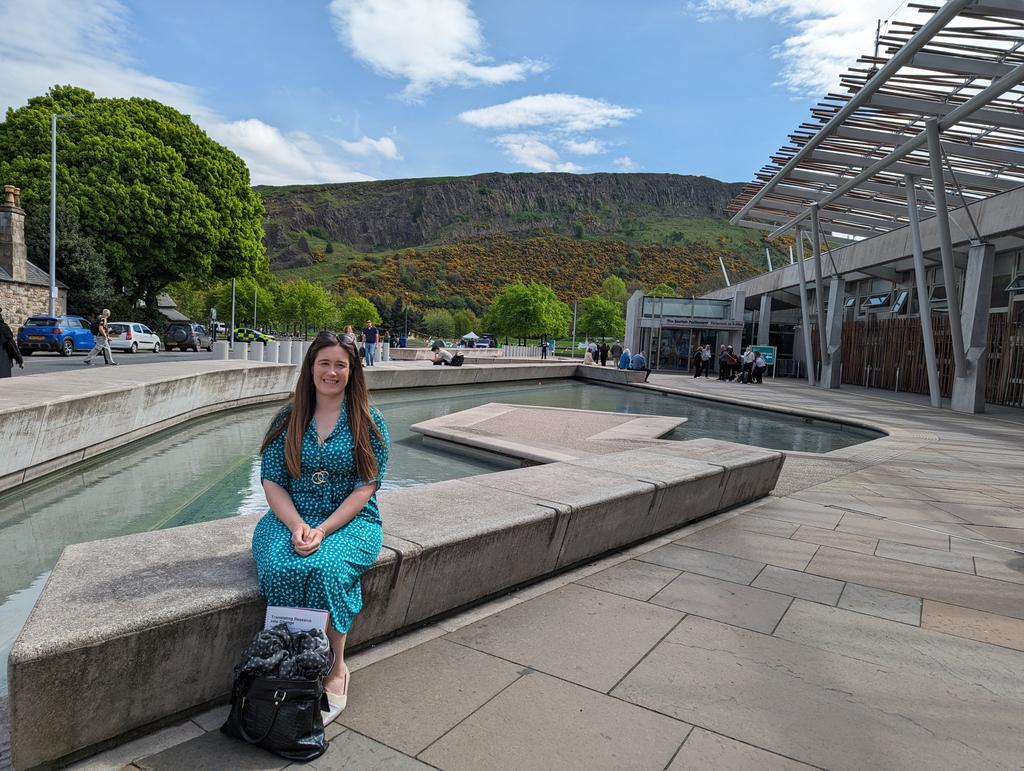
134	631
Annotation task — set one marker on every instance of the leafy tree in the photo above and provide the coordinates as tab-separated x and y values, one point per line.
356	310
246	289
600	317
465	322
663	290
614	288
79	264
528	310
154	195
439	323
308	304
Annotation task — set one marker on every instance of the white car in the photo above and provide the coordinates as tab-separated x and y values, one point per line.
133	336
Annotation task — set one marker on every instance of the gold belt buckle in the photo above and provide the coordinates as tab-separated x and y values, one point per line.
319	477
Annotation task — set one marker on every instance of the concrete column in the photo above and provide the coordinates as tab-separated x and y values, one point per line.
819	290
969	389
805	314
739	300
257	351
634	312
271	352
221	350
240	352
764	320
832	333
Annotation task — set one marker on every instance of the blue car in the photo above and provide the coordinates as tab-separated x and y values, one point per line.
63	334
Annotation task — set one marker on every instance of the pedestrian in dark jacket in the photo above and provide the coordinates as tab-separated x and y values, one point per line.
9	353
604	353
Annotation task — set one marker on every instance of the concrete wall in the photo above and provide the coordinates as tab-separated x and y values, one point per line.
131	631
425	354
40	434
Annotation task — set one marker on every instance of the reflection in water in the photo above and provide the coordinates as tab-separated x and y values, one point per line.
208	469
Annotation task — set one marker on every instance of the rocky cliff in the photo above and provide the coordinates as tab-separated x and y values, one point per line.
392	214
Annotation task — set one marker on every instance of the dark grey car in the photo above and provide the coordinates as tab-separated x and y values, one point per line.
185	335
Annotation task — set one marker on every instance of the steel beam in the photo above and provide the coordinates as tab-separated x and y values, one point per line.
937	109
964	177
1010	8
805	316
819	294
923	302
959	149
946	248
905	54
959	65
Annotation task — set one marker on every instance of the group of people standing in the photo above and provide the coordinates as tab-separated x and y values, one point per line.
371	341
747	367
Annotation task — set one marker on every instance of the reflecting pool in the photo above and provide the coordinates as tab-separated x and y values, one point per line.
208	469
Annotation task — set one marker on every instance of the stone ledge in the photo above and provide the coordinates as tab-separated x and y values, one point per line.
121	618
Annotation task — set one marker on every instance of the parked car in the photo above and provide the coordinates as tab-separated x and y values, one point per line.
220	327
487	340
187	334
131	336
65	334
246	335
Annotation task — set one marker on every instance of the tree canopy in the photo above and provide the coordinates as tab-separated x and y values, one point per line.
154	195
306	303
355	310
439	323
614	288
600	317
528	310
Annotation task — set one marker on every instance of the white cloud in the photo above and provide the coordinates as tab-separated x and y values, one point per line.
828	36
625	163
429	43
562	112
585	146
385	147
531	151
82	42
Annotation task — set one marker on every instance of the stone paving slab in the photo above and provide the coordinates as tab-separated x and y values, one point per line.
762	525
1006	568
542	723
935	558
796	584
351	751
639	580
705	563
411	700
725	601
800	512
881	603
838	540
916	580
783	552
975	624
577	633
705	750
819	707
213	751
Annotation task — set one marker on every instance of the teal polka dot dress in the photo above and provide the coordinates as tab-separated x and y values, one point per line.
328	579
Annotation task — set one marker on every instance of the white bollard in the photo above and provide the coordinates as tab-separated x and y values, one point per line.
385	352
240	352
257	351
296	351
305	349
271	352
284	352
221	350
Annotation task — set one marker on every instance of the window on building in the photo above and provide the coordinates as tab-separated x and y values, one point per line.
876	301
900	304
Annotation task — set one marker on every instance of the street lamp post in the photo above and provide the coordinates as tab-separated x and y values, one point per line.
53	208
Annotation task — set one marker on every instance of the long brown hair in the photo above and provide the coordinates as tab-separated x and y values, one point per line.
299	412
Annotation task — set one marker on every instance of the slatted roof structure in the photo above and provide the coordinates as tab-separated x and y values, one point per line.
962	67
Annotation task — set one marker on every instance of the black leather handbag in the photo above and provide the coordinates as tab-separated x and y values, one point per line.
283	716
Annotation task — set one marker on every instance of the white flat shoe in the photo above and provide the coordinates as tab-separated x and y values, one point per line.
337	702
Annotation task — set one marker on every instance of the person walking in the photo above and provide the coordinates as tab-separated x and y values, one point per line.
705	356
603	350
9	352
698	362
370	336
101	330
616	351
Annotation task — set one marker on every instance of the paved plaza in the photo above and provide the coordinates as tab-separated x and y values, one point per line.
869	614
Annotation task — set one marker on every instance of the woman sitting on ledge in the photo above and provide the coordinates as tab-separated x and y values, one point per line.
323	459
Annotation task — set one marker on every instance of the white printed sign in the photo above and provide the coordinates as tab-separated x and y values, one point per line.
297	619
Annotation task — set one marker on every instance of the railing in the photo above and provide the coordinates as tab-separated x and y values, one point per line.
521	351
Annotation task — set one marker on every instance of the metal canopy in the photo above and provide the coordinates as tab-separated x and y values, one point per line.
964	67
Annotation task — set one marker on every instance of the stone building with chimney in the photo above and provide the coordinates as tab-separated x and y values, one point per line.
24	287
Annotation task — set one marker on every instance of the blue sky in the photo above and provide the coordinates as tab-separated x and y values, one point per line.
341	90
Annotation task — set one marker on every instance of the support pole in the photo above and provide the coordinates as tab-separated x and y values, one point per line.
946	247
832	331
231	332
924	304
53	215
804	310
768	255
969	391
819	292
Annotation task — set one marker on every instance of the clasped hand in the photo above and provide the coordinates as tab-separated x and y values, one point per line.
306	540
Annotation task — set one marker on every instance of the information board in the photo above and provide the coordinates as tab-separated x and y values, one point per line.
767	351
